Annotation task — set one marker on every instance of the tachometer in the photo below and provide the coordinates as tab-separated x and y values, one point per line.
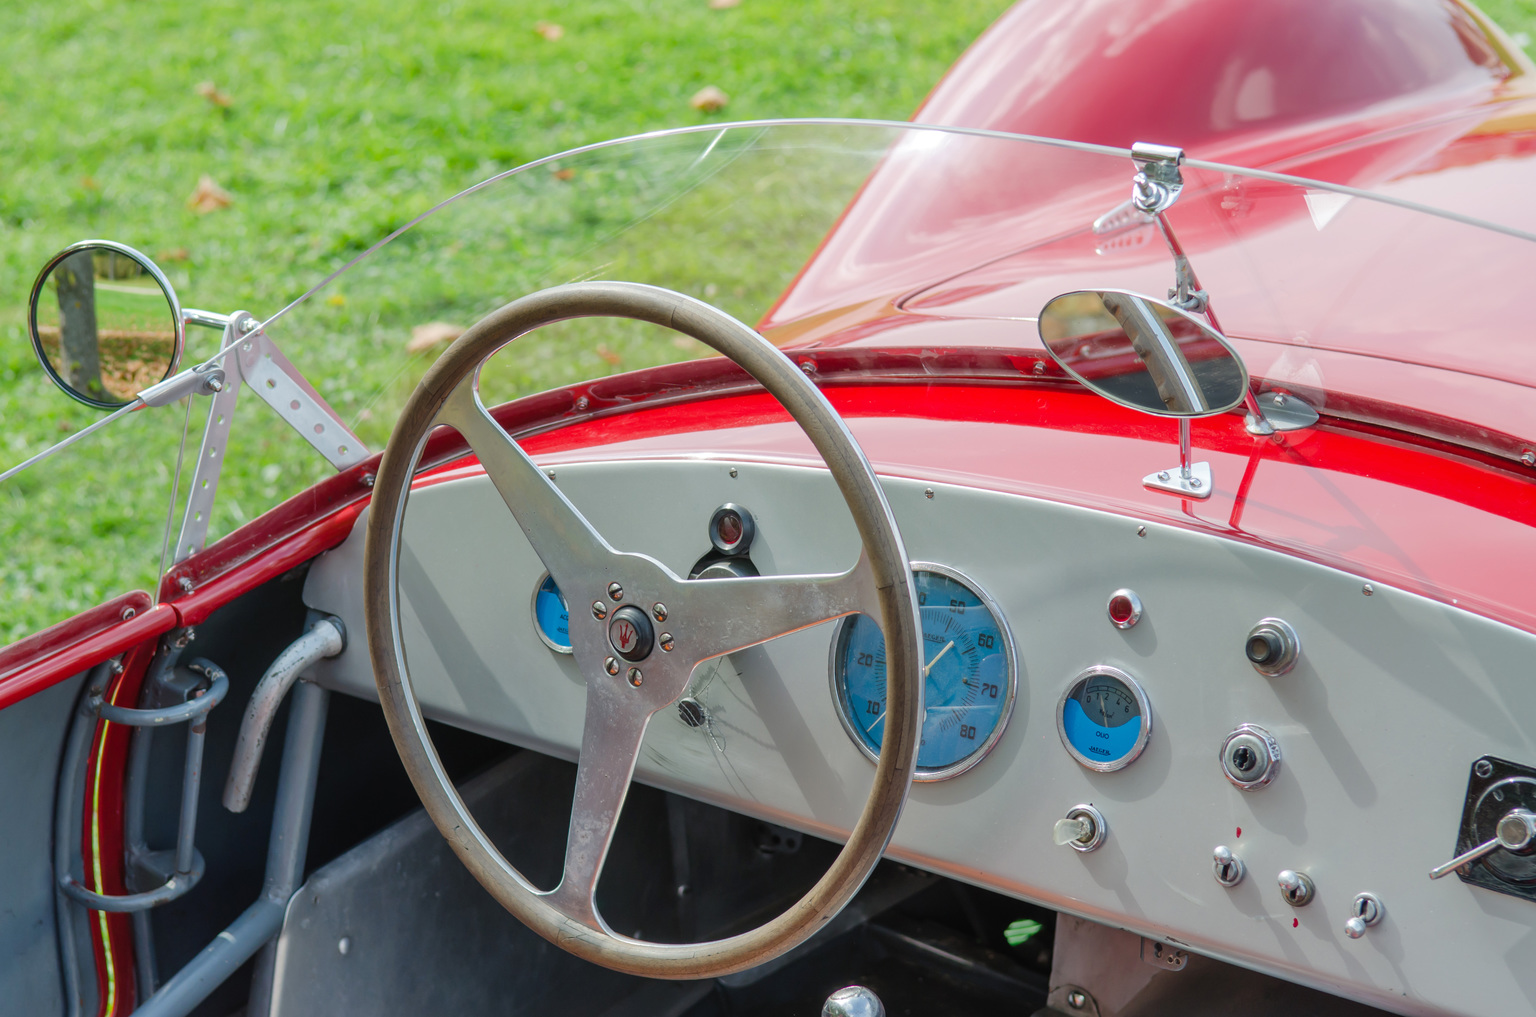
969	675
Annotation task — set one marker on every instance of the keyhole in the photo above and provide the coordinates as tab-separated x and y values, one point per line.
1244	758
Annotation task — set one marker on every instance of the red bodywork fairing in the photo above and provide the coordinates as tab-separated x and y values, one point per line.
1413	473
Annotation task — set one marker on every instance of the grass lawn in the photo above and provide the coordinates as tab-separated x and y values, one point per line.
328	124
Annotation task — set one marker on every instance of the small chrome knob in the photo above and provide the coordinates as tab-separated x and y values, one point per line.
1272	647
1296	888
1228	868
854	1001
1367	912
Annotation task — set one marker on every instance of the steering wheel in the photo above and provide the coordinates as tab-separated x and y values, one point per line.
631	666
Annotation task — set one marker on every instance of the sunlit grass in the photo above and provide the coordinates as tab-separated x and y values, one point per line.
343	121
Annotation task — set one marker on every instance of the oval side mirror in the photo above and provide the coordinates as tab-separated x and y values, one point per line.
105	323
1143	353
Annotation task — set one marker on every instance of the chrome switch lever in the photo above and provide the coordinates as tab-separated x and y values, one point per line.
1515	832
1367	912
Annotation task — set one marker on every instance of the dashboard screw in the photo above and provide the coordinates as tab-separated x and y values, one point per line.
185	584
666	642
1483	768
1077	999
610	665
598	610
1367	589
582	402
928	493
1141	531
551	474
733	471
634	677
128	613
615	591
659	612
1528	457
1163	475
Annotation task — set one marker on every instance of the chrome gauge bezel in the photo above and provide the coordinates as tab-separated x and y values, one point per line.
928	775
533	615
1142	703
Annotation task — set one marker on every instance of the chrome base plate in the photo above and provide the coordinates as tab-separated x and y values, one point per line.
1283	412
1196	485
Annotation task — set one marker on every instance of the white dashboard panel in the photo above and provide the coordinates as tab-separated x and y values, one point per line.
1392	700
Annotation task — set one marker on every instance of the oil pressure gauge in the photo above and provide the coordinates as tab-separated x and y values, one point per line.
1104	719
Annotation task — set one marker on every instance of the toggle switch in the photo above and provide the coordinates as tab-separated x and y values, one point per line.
1516	832
1083	829
1228	868
1367	912
1297	888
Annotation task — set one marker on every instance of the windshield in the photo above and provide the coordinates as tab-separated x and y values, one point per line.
821	233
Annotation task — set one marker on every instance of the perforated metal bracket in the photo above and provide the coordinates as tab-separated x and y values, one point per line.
210	454
283	388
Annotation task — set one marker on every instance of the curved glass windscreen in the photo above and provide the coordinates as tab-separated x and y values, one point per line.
829	234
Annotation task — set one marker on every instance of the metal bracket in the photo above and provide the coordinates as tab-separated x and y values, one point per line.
1158	180
282	387
210	455
1188	479
252	357
1163	956
1279	411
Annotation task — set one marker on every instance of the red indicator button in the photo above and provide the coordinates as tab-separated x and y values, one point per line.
1124	608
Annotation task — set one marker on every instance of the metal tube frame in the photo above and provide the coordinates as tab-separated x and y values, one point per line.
188	869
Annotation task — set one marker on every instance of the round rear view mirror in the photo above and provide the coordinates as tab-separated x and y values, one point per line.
1142	353
105	323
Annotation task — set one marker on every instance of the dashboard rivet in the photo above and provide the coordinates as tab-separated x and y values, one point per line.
598	610
551	474
615	591
611	665
634	677
666	642
1367	589
1077	999
733	471
928	493
659	611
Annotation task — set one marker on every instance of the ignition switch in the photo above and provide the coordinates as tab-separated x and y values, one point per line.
1250	757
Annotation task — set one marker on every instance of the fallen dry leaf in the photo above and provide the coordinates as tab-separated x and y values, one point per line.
708	99
208	196
208	90
721	5
549	30
337	300
608	355
564	174
175	254
90	184
433	333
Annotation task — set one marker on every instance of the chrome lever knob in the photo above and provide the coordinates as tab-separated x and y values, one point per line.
854	1001
1368	911
1516	832
1296	888
1227	867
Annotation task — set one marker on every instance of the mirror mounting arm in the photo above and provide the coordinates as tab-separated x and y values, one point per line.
207	319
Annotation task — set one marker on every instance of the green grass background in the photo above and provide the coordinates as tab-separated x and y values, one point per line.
346	119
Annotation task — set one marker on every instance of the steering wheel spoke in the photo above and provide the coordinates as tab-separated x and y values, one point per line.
569	546
719	616
610	743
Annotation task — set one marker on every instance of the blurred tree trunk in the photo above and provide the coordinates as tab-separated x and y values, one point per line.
76	276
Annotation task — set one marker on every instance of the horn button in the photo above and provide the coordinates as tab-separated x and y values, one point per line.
630	634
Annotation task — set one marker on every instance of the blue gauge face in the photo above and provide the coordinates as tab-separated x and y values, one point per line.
968	688
1104	719
551	618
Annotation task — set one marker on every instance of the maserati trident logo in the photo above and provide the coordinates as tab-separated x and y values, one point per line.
630	633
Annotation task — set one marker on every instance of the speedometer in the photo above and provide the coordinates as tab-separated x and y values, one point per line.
968	667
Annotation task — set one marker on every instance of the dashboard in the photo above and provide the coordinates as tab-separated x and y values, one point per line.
1135	755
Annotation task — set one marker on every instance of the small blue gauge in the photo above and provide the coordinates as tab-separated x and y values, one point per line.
968	668
1104	719
551	618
